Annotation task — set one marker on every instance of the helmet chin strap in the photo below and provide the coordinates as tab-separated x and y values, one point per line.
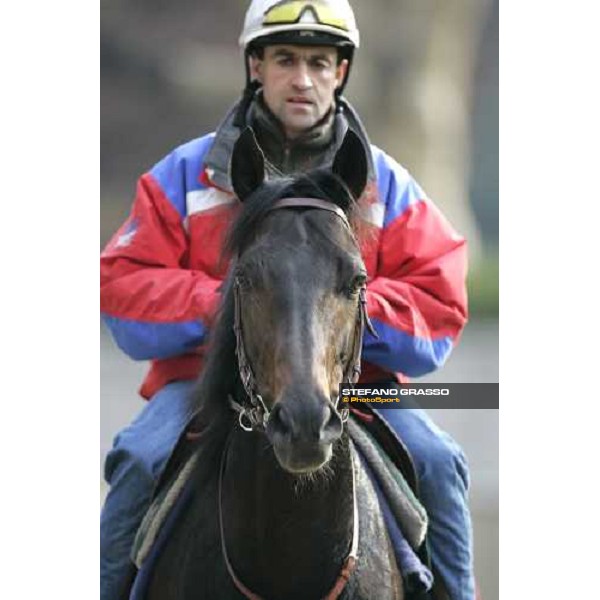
247	95
347	54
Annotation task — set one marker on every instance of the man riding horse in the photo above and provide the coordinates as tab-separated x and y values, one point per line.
161	274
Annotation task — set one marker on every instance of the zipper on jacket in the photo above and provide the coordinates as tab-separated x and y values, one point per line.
286	157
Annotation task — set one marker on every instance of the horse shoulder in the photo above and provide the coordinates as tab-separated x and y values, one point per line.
376	566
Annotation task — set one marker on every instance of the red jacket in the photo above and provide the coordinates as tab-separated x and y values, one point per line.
161	271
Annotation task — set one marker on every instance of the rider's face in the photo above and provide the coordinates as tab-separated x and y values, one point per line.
299	83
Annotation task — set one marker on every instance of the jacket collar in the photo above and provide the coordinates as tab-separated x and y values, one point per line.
326	140
286	156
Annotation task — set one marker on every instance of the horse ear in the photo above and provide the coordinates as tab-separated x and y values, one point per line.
350	163
247	167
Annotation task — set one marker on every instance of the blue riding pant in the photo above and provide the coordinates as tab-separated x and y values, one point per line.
140	452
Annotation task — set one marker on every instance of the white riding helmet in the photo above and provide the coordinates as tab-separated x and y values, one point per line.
300	22
331	17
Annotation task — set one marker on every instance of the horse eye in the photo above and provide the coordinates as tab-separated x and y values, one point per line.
243	281
357	282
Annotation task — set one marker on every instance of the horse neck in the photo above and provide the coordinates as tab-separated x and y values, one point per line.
286	537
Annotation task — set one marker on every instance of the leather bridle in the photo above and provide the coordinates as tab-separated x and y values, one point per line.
256	415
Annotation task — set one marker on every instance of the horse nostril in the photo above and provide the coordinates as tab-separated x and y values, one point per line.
332	425
281	420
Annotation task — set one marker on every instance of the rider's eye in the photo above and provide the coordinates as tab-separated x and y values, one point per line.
319	64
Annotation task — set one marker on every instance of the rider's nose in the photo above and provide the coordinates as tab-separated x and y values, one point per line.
302	80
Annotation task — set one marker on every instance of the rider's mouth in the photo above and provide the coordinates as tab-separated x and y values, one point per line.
299	101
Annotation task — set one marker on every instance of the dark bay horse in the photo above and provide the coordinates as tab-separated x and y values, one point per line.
280	502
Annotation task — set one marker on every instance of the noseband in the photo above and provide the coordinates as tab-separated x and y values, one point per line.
256	416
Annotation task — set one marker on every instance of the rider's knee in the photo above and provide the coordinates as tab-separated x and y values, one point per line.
133	457
444	462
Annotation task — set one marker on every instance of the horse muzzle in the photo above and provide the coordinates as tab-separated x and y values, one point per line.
302	432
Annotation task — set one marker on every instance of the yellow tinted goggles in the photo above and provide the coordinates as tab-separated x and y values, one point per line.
286	13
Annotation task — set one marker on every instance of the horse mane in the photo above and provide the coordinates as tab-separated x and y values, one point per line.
220	375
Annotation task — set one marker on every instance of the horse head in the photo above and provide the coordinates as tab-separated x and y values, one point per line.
299	281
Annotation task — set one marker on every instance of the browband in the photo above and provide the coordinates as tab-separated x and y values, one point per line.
314	203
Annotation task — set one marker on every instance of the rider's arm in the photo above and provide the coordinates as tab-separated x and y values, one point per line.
153	305
417	299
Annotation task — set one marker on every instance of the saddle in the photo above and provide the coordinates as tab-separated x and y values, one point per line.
383	456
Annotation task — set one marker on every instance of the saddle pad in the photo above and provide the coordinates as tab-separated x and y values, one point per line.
417	577
408	511
159	511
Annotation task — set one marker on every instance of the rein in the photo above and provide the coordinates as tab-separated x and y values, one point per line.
256	416
349	563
